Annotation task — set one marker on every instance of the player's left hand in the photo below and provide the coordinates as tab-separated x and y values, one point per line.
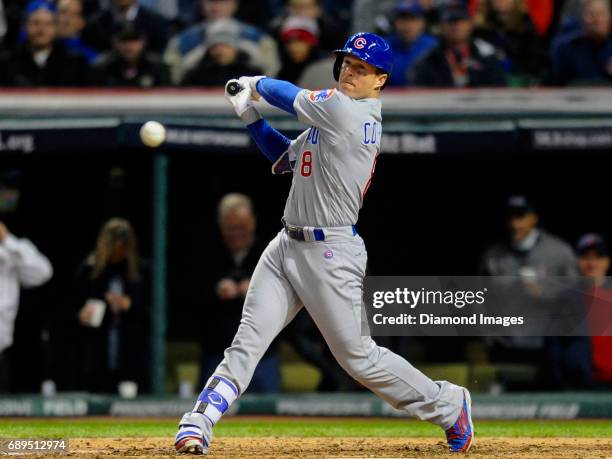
251	82
241	101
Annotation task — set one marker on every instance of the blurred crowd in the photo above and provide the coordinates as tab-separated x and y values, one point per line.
106	310
105	338
202	43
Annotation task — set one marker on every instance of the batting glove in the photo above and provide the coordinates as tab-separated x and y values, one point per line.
252	83
242	102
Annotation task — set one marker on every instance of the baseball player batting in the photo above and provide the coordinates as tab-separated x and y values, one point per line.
318	260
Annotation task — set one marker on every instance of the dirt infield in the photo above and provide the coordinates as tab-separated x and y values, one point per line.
291	447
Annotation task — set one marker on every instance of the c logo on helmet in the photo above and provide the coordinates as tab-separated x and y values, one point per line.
360	43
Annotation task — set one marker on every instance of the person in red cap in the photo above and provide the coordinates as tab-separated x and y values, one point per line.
300	47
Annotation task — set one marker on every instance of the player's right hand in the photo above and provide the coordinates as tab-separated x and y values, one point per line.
241	101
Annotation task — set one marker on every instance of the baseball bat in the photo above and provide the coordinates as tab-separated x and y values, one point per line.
234	88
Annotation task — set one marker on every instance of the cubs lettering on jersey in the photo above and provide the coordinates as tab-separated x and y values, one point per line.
370	133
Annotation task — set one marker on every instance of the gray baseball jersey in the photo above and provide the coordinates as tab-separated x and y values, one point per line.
335	158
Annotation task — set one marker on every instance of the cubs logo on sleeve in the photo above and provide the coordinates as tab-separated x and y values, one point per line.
321	96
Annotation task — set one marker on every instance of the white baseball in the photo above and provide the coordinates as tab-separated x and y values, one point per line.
152	134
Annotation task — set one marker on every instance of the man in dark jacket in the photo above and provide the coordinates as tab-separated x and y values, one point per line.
585	57
529	264
96	34
129	65
530	252
459	61
41	60
231	269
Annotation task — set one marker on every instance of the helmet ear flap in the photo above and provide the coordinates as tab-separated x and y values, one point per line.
338	65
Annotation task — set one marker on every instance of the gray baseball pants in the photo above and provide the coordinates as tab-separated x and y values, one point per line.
326	278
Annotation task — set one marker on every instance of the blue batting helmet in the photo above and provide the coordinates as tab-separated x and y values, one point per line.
368	47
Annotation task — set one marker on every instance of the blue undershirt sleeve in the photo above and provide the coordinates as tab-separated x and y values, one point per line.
271	142
279	93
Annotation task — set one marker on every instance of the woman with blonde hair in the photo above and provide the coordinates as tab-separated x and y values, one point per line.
506	24
111	295
116	243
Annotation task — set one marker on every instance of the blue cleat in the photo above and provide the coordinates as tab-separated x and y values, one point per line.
461	435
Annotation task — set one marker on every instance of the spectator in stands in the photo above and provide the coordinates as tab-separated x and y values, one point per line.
529	249
97	32
410	42
459	60
21	265
129	64
234	264
186	49
12	19
531	255
70	24
317	74
300	47
255	13
41	60
594	264
111	297
507	25
330	33
585	57
223	59
542	13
